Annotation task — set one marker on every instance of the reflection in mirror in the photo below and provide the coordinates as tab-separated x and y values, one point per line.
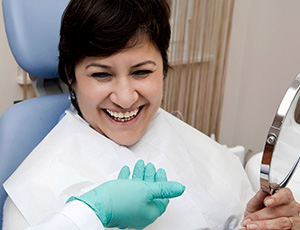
282	147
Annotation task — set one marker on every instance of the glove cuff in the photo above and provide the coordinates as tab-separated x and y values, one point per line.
99	211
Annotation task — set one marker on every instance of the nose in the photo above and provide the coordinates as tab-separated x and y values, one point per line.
124	93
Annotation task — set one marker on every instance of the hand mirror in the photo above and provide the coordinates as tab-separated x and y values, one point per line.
282	148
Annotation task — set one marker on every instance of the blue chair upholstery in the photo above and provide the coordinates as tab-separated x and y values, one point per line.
22	127
32	28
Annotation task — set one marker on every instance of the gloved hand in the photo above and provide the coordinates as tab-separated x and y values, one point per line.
136	203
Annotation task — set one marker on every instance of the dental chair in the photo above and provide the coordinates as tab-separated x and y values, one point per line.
32	29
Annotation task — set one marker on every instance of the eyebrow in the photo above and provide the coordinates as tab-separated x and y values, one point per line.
143	63
132	67
98	65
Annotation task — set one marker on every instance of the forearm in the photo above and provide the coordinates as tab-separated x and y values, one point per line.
73	216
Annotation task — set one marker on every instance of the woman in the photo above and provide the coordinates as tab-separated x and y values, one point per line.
113	57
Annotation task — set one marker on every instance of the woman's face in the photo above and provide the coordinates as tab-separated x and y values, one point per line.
119	95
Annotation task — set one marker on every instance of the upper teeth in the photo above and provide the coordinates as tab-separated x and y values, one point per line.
123	115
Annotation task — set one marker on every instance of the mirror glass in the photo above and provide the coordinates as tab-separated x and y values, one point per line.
282	147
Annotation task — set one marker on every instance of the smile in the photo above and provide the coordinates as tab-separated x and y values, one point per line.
123	117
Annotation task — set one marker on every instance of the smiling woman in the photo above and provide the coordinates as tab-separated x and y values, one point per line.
116	62
119	95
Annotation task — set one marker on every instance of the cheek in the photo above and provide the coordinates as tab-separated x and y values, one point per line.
89	94
155	90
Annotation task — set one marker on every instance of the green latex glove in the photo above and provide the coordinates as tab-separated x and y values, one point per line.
135	203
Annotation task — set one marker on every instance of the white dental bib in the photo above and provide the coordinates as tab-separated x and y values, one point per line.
74	158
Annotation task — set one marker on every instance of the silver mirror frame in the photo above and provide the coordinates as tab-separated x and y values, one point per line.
272	138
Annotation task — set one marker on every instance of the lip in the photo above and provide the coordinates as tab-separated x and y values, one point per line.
124	111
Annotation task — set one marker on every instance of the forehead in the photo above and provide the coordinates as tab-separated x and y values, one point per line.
128	56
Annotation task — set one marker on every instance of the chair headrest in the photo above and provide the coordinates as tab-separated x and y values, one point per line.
32	29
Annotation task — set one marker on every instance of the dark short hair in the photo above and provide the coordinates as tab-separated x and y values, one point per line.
101	28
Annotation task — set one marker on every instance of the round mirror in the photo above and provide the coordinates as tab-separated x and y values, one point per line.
282	147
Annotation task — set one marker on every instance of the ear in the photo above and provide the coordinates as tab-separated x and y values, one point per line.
69	80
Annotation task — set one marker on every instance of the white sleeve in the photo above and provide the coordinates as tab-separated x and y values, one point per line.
75	215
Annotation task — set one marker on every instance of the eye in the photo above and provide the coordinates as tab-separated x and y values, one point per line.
102	75
142	73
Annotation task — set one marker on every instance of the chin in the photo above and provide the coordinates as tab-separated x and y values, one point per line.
126	141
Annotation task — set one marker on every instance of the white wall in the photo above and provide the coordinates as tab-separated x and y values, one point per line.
264	58
10	91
